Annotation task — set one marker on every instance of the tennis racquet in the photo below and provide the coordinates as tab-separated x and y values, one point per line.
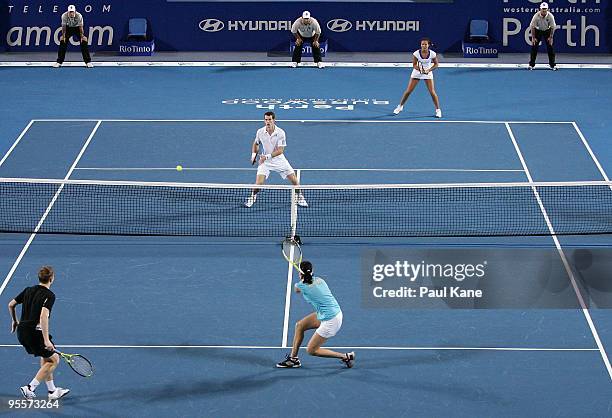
255	155
421	67
78	363
292	252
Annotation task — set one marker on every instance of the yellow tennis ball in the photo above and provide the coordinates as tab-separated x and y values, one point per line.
179	168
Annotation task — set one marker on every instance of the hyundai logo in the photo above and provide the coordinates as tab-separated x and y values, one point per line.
211	25
339	25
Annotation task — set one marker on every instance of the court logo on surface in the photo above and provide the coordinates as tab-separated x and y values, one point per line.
303	103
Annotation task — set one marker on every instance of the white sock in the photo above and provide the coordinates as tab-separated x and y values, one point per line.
51	386
34	384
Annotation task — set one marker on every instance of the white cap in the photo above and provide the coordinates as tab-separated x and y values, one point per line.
72	8
306	14
544	6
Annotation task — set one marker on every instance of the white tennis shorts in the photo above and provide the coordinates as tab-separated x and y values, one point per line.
278	164
420	76
328	329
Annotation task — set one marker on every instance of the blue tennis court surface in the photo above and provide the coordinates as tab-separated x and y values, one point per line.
194	326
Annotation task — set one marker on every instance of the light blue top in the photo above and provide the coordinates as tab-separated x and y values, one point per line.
321	298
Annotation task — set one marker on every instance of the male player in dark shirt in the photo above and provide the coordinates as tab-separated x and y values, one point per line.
33	331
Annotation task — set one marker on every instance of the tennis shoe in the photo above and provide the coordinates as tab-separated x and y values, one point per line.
530	68
250	201
289	362
320	65
57	65
554	68
89	65
438	113
58	393
301	201
398	109
349	359
294	64
27	393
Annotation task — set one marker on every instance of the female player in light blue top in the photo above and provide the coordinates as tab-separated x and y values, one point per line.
327	319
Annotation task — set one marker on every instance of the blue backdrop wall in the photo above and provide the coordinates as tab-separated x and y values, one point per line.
584	26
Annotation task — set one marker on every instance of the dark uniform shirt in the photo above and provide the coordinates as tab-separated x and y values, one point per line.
33	299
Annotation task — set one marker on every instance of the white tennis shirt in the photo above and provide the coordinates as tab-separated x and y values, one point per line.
306	31
425	62
271	142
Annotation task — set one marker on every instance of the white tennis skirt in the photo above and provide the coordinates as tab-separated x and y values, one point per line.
420	76
328	329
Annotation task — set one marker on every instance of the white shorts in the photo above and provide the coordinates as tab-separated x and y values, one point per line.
328	329
420	76
278	164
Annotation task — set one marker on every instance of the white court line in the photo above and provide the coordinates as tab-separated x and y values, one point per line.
42	219
390	170
287	301
568	269
290	267
259	347
305	121
16	142
590	151
287	64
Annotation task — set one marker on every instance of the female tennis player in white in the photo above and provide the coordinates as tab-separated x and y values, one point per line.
273	140
327	320
424	62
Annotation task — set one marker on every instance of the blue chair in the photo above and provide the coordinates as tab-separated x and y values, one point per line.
137	28
479	30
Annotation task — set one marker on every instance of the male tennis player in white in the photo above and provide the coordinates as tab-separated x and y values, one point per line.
273	140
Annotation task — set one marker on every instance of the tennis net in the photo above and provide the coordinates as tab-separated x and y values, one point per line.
386	210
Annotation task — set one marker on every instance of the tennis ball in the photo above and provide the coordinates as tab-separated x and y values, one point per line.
179	168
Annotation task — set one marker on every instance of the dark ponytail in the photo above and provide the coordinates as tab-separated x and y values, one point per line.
306	267
429	41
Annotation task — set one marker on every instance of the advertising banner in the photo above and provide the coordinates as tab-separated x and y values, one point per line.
583	26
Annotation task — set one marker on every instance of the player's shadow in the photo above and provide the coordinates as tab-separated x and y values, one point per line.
385	372
239	356
412	359
207	387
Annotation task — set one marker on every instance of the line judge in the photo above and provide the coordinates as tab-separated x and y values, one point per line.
306	29
543	28
72	25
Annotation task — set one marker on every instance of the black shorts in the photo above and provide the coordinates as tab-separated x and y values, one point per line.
32	340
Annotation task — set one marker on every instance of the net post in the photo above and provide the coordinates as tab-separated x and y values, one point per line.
293	211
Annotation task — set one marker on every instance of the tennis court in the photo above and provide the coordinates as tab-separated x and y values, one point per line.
193	325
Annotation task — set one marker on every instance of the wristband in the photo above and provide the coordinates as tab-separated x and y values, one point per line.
253	154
